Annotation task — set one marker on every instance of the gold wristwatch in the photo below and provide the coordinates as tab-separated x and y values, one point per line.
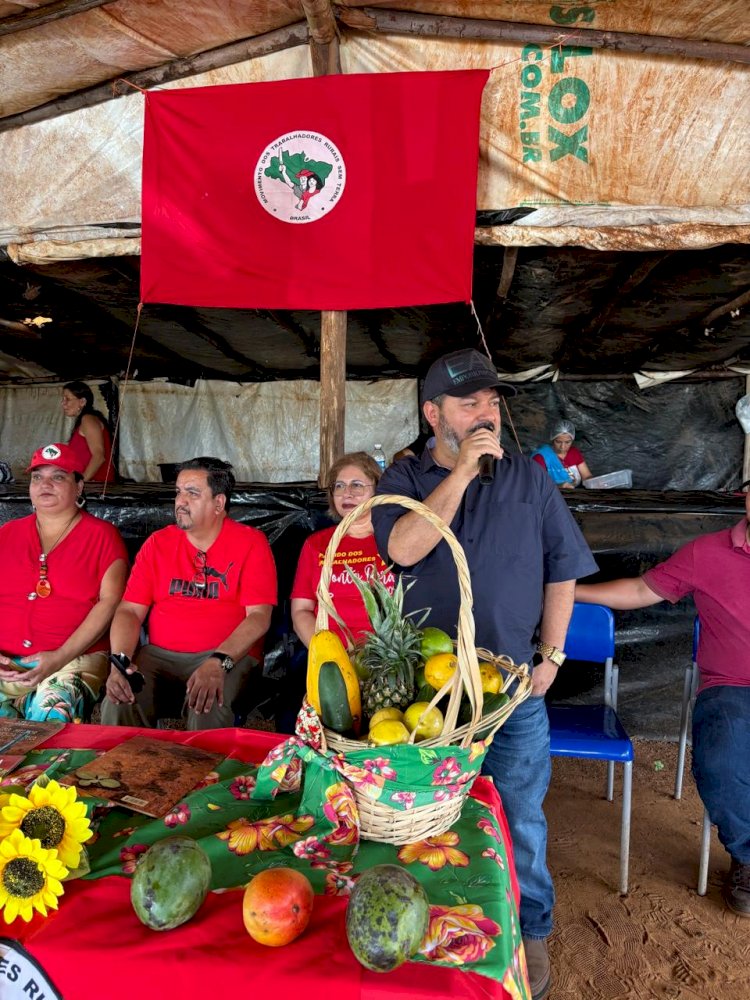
552	653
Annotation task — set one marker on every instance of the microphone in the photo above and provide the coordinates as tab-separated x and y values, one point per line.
486	469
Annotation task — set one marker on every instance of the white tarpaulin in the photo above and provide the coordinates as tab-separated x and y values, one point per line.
269	431
587	138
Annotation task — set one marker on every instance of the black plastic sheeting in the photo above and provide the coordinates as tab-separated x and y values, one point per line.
677	436
628	532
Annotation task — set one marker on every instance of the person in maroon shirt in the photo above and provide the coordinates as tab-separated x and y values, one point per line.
715	569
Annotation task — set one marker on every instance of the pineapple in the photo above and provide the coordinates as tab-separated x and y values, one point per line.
391	652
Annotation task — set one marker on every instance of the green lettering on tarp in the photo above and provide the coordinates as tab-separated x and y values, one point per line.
529	105
529	50
531	76
530	138
569	145
562	52
560	16
531	155
582	98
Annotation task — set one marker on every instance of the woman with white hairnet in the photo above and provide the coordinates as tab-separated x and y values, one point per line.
562	460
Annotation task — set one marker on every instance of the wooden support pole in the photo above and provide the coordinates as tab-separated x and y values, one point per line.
35	16
332	389
224	55
444	26
324	53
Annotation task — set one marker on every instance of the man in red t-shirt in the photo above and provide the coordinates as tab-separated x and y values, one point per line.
715	569
208	585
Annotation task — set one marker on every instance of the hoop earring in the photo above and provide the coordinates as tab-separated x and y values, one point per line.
81	501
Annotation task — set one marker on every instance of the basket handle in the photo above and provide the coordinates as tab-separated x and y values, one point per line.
467	676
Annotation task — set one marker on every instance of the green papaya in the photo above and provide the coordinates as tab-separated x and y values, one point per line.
386	918
335	712
170	883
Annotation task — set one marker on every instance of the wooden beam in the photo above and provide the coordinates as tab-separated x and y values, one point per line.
332	389
395	22
35	16
324	37
734	304
324	52
510	256
224	55
622	290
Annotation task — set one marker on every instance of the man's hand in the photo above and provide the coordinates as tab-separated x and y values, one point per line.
542	677
118	690
46	663
481	442
206	685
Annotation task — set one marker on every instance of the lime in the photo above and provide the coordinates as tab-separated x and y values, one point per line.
434	640
389	731
427	723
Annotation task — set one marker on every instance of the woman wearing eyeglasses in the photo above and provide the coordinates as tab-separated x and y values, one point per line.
351	481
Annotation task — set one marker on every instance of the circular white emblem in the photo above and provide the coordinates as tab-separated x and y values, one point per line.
51	451
300	177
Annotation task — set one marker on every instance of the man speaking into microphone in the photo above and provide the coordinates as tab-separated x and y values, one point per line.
524	552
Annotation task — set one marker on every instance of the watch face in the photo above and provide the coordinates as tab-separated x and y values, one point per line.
227	663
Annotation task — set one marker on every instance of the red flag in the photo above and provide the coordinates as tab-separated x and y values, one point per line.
339	192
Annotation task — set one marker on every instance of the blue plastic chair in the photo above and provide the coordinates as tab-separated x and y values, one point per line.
595	732
689	691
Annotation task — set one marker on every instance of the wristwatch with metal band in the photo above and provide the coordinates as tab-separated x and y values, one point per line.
225	660
552	653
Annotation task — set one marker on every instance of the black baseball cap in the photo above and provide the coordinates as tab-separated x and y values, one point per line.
461	373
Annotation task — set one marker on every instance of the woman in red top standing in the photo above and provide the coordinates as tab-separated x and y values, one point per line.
90	440
351	480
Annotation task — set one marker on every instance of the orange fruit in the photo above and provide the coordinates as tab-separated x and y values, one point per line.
439	669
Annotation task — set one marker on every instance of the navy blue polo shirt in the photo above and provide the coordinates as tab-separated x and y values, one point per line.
517	534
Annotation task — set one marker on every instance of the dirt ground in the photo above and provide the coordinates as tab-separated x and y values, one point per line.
662	940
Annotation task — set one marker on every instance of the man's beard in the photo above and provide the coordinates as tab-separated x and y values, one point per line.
183	525
450	436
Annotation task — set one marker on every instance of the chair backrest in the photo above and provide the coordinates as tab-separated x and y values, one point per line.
591	633
696	637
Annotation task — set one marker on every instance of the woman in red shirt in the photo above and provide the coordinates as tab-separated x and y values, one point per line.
90	439
562	460
351	481
68	575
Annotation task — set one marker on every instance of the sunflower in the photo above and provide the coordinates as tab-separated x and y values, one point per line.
52	816
30	877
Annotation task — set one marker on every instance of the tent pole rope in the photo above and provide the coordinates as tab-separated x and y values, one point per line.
116	429
504	399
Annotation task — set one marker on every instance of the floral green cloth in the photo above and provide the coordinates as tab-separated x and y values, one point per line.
299	810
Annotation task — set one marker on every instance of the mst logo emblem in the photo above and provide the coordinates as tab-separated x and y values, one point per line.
300	177
51	451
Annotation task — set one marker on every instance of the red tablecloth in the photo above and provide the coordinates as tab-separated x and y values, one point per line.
94	948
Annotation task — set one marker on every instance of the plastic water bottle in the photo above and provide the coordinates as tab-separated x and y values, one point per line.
379	456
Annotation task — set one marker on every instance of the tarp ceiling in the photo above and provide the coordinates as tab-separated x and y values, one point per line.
614	200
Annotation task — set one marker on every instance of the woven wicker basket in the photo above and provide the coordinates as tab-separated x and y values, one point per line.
380	821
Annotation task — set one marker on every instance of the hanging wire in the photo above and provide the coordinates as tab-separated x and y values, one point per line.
504	398
122	391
